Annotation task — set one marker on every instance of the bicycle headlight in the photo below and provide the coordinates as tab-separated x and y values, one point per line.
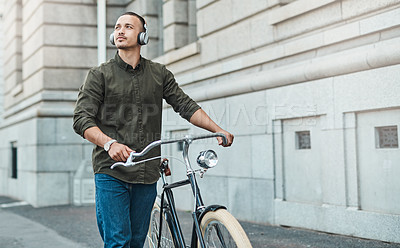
207	159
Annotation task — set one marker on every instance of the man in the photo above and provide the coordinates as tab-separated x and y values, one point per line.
119	109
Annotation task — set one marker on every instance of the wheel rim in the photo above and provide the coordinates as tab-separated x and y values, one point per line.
152	237
216	235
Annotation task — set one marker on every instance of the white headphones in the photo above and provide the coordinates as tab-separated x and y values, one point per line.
142	39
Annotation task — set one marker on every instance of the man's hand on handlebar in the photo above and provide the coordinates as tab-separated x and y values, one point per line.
229	138
119	152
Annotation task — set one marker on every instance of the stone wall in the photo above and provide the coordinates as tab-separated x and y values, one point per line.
49	47
1	60
306	87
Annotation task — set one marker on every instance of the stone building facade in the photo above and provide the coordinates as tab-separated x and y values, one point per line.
310	88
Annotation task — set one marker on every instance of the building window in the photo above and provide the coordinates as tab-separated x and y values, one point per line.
180	146
303	140
387	137
14	160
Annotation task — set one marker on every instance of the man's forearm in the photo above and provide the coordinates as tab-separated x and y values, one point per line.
96	136
118	152
202	120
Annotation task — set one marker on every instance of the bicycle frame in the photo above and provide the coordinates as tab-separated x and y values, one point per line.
172	217
198	212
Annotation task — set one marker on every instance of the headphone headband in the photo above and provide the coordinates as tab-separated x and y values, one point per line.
138	16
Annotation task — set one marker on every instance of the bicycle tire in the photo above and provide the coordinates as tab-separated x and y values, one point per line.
154	227
231	232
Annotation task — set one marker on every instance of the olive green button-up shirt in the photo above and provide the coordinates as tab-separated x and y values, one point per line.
126	104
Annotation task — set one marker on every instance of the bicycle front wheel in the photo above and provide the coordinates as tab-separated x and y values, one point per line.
221	229
154	230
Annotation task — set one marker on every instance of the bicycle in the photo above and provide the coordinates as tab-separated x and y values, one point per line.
213	225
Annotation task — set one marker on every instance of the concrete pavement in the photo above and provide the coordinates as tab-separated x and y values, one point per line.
22	226
19	232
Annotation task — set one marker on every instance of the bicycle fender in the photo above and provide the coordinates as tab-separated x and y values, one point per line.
210	208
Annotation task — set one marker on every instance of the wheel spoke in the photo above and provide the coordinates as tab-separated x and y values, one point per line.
217	235
221	230
154	231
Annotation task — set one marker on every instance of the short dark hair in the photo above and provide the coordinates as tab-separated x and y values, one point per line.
137	15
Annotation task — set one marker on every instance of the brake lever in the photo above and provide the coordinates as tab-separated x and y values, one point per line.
129	161
127	164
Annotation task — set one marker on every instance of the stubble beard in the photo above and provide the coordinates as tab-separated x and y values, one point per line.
123	46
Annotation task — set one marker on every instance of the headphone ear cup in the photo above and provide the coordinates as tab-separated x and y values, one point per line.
112	39
143	38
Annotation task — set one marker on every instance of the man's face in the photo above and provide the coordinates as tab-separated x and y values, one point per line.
126	31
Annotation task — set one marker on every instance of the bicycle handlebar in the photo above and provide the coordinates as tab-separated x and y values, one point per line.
188	139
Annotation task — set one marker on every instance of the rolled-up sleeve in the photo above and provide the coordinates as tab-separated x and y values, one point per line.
90	97
177	98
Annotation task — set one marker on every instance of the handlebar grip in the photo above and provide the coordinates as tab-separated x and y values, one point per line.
224	139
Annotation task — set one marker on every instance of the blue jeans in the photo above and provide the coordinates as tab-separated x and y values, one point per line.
123	211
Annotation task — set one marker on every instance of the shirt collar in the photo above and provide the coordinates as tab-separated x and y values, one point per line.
126	66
